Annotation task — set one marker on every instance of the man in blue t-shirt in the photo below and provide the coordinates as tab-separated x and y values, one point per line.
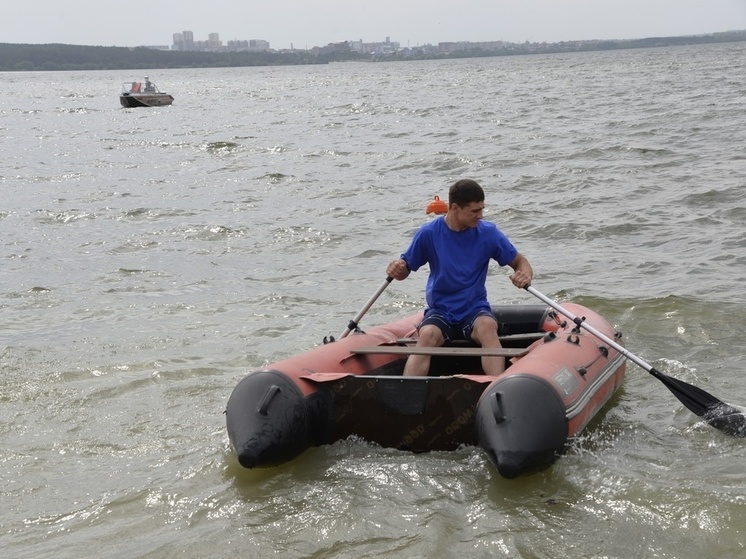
458	247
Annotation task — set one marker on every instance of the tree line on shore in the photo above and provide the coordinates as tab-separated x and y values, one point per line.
52	57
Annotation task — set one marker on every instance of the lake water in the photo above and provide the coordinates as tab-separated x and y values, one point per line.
153	257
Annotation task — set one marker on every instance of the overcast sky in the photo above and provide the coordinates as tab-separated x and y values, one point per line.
305	23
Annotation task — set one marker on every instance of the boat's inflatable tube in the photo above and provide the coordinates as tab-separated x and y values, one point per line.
271	418
521	425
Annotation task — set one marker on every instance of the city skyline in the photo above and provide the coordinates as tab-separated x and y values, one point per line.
304	25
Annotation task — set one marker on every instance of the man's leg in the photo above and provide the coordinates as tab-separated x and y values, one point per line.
419	365
484	332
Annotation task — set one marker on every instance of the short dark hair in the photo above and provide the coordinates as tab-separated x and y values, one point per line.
465	191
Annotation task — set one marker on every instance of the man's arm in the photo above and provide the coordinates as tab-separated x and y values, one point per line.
523	272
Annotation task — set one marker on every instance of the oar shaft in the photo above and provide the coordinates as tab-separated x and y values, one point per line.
354	322
581	323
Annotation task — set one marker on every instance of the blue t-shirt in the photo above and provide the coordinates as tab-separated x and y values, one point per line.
458	264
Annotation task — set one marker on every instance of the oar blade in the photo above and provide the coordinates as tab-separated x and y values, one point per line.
728	419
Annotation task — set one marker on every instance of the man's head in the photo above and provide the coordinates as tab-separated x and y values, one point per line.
465	204
464	192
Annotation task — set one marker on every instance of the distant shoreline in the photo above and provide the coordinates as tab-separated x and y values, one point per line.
62	57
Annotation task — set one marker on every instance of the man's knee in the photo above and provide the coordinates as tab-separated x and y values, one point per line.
485	329
431	335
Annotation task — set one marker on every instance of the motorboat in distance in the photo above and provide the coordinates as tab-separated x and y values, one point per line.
143	94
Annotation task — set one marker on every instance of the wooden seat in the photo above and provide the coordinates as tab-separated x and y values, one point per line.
449	351
529	336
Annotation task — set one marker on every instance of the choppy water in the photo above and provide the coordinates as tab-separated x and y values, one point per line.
151	258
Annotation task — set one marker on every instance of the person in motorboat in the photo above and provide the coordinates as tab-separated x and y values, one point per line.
149	86
458	248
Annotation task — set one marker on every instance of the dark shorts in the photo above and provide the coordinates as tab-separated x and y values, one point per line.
454	331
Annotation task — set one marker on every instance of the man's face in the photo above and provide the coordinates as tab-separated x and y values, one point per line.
469	215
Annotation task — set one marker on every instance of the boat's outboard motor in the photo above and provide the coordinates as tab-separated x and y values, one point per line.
269	420
521	425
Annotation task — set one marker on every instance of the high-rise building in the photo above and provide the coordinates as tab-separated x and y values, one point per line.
188	40
178	41
213	41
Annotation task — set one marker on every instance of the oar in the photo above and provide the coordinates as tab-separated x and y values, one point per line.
727	418
354	322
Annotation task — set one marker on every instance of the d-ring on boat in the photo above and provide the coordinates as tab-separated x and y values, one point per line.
557	378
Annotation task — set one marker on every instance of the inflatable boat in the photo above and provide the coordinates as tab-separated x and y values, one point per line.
557	378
